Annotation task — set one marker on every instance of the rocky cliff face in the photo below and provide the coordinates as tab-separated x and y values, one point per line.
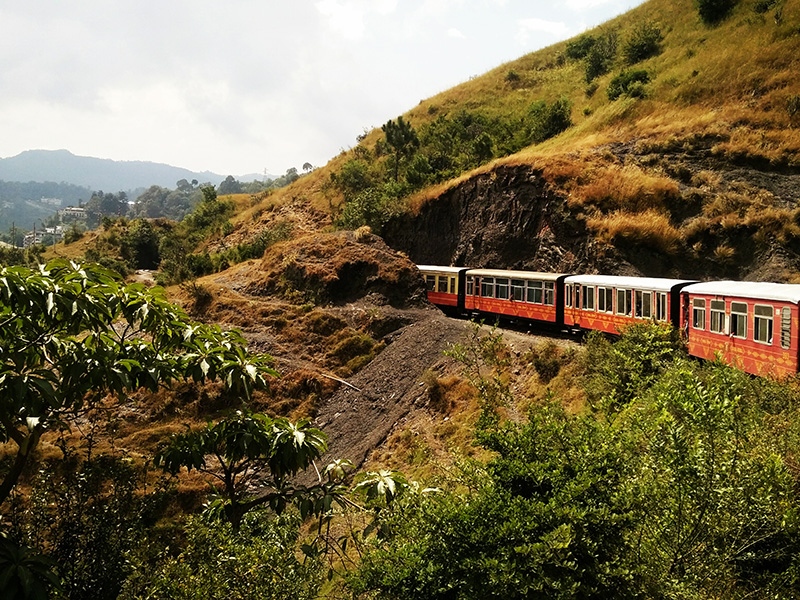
508	218
513	218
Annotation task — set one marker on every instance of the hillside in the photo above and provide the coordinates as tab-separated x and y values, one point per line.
692	169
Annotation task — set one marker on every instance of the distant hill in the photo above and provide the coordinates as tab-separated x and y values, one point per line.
97	173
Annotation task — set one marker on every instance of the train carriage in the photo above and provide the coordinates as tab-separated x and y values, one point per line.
749	325
515	294
445	286
609	303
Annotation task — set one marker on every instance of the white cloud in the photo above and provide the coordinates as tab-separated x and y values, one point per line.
343	18
348	17
527	27
455	33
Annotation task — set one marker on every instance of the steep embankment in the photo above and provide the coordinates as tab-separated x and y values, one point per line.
513	217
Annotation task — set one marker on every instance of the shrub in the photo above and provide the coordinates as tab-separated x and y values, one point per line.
200	294
512	78
549	120
74	233
217	563
762	6
580	47
630	83
714	11
644	42
601	56
547	360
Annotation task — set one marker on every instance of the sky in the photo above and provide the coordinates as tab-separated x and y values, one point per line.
249	86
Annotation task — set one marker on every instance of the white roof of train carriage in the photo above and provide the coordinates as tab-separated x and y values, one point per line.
753	290
656	284
514	274
439	269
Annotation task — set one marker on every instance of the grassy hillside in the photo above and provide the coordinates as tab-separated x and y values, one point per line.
675	134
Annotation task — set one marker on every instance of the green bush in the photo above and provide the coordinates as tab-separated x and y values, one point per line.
579	48
619	371
714	11
687	489
630	83
548	120
643	43
216	563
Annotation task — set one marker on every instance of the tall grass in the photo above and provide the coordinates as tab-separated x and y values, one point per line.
649	228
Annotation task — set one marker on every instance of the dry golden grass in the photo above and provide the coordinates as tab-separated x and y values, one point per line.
614	187
649	228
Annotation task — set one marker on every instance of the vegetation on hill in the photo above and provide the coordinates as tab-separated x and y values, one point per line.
655	130
675	480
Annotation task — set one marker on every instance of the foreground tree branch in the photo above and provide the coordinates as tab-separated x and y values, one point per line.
75	314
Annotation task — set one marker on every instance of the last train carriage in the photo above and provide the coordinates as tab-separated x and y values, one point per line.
750	325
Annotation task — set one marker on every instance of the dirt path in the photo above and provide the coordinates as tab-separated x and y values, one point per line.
357	421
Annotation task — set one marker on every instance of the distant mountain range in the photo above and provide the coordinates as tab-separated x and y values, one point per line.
100	173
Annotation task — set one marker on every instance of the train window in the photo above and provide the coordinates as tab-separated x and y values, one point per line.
453	288
470	285
623	302
535	292
588	297
518	290
430	282
739	319
699	313
647	305
661	306
501	288
605	299
568	296
786	327
717	316
487	287
644	304
442	284
762	323
549	293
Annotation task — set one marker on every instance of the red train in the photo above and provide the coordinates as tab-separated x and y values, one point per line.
752	326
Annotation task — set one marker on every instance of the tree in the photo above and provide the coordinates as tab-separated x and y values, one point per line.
246	448
139	245
402	138
600	56
106	205
230	186
71	335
